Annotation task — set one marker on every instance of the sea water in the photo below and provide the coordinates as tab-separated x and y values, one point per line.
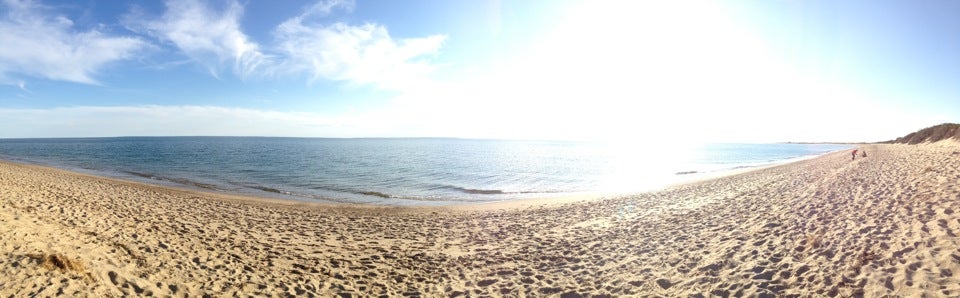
401	171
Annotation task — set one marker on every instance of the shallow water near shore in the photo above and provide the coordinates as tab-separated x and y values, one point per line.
398	171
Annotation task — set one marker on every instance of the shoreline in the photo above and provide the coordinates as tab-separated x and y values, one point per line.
827	226
233	175
523	200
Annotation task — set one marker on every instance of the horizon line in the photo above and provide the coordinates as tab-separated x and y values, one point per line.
414	138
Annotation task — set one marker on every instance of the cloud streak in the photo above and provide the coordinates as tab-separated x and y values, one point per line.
211	38
36	43
96	121
194	120
363	55
325	7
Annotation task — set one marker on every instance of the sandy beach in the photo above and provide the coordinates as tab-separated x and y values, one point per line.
883	225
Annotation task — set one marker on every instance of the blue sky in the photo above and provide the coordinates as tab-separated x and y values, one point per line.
681	71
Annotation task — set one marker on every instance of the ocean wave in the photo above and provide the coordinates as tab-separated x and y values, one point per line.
374	193
335	198
475	191
261	188
371	193
181	181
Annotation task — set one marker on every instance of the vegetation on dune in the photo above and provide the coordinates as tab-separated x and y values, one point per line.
930	134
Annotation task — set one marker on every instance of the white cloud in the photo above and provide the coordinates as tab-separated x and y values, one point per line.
325	7
363	54
209	37
40	44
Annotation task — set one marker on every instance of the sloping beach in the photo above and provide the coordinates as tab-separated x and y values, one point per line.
885	224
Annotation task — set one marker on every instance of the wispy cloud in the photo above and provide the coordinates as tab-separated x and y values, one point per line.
302	45
38	43
363	54
212	38
325	7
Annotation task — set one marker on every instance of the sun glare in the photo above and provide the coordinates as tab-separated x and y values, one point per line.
636	165
644	64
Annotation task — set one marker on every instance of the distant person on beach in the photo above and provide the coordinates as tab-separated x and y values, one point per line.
854	154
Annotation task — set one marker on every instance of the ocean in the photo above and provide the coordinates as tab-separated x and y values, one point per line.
401	171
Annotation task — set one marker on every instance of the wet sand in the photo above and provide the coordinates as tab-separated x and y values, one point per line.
882	225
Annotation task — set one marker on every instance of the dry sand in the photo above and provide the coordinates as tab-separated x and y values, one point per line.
882	225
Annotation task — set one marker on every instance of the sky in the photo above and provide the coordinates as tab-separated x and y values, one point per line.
636	71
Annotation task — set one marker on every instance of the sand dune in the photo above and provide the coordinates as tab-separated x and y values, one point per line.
936	133
882	225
